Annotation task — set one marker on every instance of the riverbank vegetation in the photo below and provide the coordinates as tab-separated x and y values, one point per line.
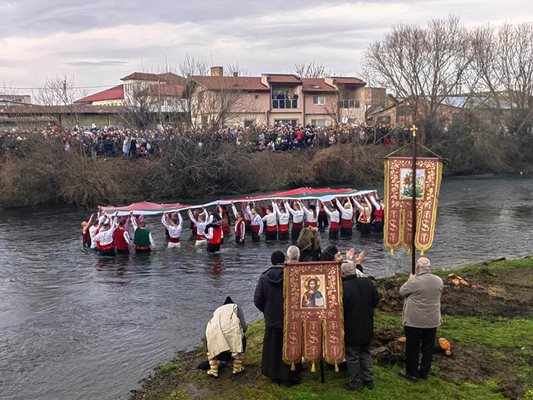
487	318
39	171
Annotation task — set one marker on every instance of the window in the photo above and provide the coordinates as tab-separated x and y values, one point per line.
318	122
292	122
248	123
320	100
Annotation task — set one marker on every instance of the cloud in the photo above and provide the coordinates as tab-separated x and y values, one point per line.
101	41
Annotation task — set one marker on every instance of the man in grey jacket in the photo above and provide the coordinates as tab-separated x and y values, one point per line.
421	317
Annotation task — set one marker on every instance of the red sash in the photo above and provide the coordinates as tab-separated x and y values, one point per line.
174	240
346	223
105	246
284	228
272	228
199	237
311	224
296	225
378	215
333	226
254	228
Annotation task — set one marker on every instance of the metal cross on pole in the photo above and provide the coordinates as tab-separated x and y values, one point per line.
413	130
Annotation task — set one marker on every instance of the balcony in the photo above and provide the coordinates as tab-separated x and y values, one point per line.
285	103
349	103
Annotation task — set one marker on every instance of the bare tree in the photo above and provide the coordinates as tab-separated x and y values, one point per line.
311	70
422	66
58	91
503	59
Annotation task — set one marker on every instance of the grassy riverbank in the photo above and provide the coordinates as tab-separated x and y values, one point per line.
489	323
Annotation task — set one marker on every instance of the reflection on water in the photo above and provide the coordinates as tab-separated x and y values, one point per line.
78	326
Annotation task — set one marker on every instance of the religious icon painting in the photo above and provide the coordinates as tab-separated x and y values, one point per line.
314	325
398	211
406	183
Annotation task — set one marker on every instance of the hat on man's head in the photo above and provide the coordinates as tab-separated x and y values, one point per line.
277	257
329	253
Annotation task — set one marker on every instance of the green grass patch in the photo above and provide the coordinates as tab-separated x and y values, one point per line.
496	265
387	321
168	367
490	332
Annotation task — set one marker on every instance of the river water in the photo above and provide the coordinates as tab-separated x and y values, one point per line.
77	326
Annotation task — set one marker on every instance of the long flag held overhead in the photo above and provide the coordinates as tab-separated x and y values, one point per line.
399	184
304	193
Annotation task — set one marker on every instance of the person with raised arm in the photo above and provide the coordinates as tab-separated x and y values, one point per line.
200	222
334	221
346	213
85	236
240	226
379	208
256	224
142	237
283	220
121	237
365	215
104	237
173	223
247	215
322	219
297	219
271	221
213	233
311	216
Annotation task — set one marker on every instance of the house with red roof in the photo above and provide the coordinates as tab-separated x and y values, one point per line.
278	98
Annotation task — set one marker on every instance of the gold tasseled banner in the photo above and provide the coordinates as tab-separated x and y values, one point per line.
336	367
313	369
391	252
293	367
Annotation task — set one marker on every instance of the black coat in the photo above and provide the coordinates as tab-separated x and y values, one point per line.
268	296
360	297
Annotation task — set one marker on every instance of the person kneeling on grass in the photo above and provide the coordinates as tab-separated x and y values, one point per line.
225	333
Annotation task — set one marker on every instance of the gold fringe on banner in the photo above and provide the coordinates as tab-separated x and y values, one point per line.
313	369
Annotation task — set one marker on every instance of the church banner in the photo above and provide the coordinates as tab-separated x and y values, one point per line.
398	229
314	324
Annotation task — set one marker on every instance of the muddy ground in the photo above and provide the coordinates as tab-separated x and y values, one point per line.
483	292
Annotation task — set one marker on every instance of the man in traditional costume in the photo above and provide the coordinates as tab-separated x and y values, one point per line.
256	224
142	237
200	222
334	221
297	219
346	213
364	219
271	222
121	238
240	226
173	224
283	220
213	234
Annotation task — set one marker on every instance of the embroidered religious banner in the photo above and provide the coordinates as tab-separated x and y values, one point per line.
398	229
314	324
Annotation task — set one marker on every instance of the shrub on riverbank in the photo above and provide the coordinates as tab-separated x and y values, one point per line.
39	171
491	355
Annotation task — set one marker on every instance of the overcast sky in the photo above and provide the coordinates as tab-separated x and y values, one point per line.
97	42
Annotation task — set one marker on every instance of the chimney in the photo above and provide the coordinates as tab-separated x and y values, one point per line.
217	71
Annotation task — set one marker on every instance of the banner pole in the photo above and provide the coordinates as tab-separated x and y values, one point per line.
413	229
322	378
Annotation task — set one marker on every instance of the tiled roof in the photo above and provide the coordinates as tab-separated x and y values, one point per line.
146	76
115	93
283	78
316	85
34	109
346	80
231	83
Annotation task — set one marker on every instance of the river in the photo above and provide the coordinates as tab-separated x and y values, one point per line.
77	326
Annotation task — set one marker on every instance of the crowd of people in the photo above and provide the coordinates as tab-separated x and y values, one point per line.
297	220
300	221
131	143
225	332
